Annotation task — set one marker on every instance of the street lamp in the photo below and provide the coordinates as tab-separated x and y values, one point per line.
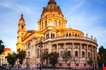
40	46
27	62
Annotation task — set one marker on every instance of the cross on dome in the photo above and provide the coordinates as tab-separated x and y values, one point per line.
52	1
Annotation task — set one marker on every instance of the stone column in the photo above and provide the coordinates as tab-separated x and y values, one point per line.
57	48
80	50
87	51
50	47
80	54
72	49
73	55
92	55
64	46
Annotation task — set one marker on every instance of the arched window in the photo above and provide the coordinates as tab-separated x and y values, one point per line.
77	64
22	26
69	53
83	54
54	46
76	53
52	35
78	35
89	47
61	46
45	24
47	36
66	34
69	34
89	55
75	35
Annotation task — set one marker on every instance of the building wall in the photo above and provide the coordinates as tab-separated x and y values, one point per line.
86	48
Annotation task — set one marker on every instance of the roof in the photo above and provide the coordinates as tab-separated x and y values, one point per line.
31	31
7	49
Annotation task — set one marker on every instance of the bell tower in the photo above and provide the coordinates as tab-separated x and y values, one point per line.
21	32
52	16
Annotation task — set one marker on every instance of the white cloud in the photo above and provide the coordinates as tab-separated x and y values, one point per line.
15	7
90	24
76	6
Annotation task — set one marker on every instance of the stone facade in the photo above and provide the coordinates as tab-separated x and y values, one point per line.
56	37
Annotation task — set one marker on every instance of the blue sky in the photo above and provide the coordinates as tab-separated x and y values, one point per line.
88	16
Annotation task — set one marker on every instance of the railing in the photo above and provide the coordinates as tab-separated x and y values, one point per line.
62	38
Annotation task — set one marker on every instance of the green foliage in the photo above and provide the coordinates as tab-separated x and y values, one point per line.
90	61
1	47
21	56
66	56
53	58
44	56
102	55
12	58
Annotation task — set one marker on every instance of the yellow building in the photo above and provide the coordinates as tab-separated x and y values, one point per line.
56	36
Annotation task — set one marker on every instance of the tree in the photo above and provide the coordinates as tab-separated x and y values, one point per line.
45	57
102	55
12	58
66	56
90	62
1	47
53	58
21	56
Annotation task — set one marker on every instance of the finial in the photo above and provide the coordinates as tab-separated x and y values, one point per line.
86	35
22	16
91	37
52	2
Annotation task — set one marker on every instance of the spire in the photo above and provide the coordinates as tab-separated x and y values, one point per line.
22	15
21	32
21	20
52	2
21	24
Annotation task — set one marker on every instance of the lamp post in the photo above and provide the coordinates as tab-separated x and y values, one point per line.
27	63
40	46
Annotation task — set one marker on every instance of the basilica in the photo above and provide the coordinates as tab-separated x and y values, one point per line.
54	36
